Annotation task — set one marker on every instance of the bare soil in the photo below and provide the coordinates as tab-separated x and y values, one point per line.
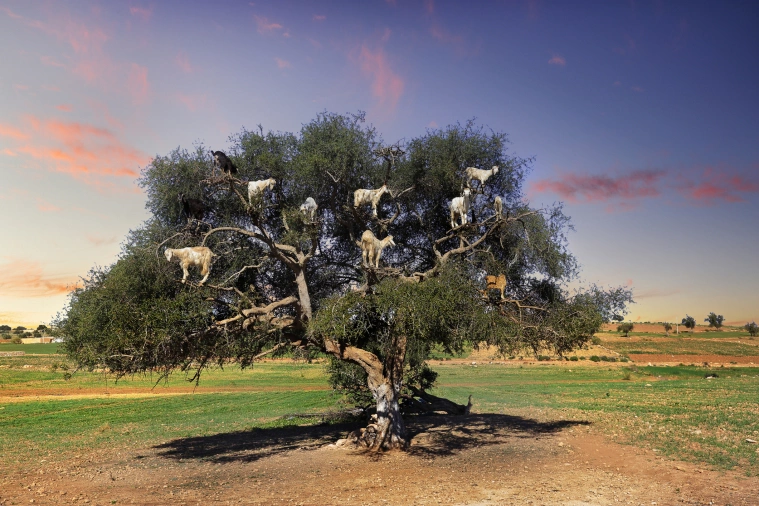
527	457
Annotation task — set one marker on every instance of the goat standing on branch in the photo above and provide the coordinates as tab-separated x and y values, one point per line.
498	206
363	197
479	174
256	188
193	208
371	248
460	207
198	255
223	162
308	208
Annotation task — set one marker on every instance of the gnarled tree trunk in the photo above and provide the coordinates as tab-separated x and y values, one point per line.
385	381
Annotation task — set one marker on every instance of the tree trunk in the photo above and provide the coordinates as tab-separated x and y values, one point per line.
303	296
384	381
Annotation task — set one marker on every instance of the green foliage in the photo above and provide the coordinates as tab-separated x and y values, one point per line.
596	340
41	327
715	320
20	328
667	327
134	316
595	358
689	322
16	340
752	328
625	327
5	328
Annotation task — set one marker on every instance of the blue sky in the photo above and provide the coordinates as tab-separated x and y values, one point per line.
642	117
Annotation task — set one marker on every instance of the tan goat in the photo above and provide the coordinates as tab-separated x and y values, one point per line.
198	255
371	248
363	197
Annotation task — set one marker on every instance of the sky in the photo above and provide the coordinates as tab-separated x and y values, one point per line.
641	117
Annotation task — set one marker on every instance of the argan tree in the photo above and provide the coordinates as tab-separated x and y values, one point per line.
689	322
282	281
714	320
752	328
667	328
626	327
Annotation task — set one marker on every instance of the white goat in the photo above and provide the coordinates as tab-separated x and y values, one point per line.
460	208
363	197
498	206
479	174
308	208
371	248
198	255
257	187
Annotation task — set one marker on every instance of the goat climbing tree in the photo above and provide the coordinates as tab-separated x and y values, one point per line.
284	281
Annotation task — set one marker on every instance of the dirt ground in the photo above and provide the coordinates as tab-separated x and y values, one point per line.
530	457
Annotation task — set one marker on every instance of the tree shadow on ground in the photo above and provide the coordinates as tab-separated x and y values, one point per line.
430	436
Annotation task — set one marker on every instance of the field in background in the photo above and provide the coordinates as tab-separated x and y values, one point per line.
692	413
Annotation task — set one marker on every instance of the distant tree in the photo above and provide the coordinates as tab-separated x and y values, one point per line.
752	328
5	328
20	328
667	327
42	328
36	333
715	320
625	327
689	322
617	318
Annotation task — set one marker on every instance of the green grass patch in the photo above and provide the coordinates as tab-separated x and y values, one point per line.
683	346
29	349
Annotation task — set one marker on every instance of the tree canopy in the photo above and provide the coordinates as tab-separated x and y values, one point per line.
282	281
715	320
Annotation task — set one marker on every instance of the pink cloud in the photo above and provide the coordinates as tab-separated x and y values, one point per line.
283	64
46	207
49	61
48	87
183	62
12	132
429	6
64	107
101	241
637	89
192	102
717	185
387	86
319	17
25	278
93	155
21	87
603	188
558	60
137	84
144	13
263	25
8	152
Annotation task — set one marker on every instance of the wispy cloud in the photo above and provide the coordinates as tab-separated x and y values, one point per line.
624	192
93	155
602	188
25	278
429	6
21	87
192	102
717	184
319	17
264	25
138	85
656	292
144	13
283	64
46	207
101	241
49	61
558	60
183	62
64	107
637	89
387	86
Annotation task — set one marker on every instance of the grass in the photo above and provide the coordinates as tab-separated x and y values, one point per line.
36	348
683	346
674	410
